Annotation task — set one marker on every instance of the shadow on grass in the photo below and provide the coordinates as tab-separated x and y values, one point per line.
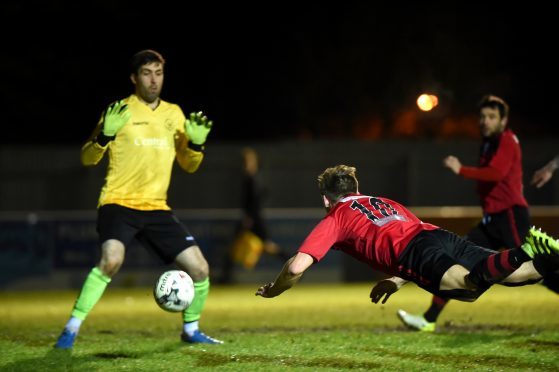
455	360
450	348
439	351
310	330
54	360
209	359
63	360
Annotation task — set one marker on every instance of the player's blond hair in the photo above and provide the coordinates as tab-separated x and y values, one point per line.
337	182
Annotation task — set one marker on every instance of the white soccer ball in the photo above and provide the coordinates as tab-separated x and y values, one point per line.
174	291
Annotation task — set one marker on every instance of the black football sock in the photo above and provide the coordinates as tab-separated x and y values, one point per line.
437	306
497	267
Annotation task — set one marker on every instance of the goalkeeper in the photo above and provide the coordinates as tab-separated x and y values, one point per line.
143	136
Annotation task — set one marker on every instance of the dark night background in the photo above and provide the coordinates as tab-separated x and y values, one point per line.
308	86
279	71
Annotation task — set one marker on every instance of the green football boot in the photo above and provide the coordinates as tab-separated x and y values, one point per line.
538	243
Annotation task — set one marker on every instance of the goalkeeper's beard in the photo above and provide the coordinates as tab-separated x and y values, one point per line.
149	95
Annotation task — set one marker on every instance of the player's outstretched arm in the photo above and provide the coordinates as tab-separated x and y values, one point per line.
452	163
544	174
112	121
386	288
290	274
190	151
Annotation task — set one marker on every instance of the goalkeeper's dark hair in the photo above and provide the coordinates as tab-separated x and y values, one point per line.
337	182
145	57
495	102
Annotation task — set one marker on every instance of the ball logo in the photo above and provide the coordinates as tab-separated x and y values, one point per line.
163	283
174	291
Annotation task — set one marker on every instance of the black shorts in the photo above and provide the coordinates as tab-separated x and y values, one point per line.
503	230
431	253
159	231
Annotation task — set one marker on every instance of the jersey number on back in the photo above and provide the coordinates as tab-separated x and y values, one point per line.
377	211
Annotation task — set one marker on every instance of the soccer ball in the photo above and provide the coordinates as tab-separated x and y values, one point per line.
174	291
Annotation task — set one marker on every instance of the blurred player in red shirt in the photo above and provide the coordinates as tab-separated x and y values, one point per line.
506	218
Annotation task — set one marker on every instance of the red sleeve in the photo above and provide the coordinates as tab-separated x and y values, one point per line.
321	239
500	164
481	174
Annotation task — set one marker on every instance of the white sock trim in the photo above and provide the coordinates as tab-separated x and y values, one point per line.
74	324
190	327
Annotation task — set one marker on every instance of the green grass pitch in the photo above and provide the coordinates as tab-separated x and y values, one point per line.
326	327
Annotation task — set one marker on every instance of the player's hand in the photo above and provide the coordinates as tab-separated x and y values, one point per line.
116	116
383	288
452	163
541	177
263	291
197	128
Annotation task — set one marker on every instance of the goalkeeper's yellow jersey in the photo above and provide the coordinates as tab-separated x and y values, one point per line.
141	156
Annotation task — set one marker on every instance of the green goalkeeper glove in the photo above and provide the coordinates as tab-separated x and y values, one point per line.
197	128
116	116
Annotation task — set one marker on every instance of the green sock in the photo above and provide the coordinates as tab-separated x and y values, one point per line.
91	292
201	290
